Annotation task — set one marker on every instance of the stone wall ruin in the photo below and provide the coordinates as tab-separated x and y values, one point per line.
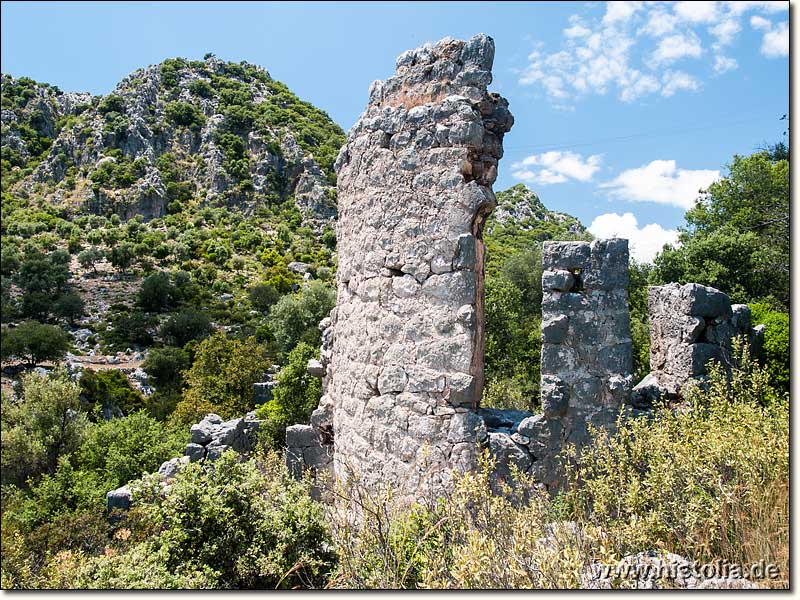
414	188
690	325
402	353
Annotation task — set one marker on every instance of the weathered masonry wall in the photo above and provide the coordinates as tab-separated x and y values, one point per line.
690	325
587	356
414	187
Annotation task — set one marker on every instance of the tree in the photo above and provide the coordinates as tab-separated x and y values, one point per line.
34	343
294	398
130	329
296	317
157	293
223	373
122	256
44	425
737	235
89	258
187	325
42	274
69	306
263	296
165	366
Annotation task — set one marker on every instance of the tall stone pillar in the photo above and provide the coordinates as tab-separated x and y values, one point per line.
414	190
587	356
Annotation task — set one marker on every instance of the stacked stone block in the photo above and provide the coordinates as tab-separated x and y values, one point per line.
691	325
587	354
414	189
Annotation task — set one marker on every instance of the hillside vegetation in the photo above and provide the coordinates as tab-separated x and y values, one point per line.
171	243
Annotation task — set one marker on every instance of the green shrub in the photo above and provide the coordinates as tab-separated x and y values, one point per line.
129	329
110	391
157	294
776	342
295	397
296	317
34	343
708	482
46	424
187	325
123	449
241	525
185	115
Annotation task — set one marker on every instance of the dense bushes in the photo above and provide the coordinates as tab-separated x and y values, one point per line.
295	397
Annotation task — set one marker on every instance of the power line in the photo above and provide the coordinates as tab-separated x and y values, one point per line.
623	138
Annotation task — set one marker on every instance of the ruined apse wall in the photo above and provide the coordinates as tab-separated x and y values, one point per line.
414	187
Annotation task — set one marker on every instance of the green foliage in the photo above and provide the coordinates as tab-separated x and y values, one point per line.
295	397
737	235
165	366
295	318
110	392
122	256
111	103
123	449
776	342
201	88
187	325
263	296
185	115
129	329
34	343
157	293
242	525
639	274
45	425
69	306
223	373
703	482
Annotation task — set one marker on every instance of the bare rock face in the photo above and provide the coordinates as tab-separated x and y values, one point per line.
414	189
690	326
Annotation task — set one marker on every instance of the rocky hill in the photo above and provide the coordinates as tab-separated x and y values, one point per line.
521	207
212	132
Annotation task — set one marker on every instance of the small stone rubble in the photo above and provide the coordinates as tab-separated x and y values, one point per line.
690	326
212	436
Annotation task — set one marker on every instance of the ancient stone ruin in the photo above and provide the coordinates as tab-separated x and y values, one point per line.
402	355
690	325
401	360
414	188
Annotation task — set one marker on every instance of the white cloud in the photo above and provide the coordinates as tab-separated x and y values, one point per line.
674	81
725	31
696	12
739	7
760	23
577	31
620	11
556	167
723	64
630	49
662	182
776	42
675	47
644	242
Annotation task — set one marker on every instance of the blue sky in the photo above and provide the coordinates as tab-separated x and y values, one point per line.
623	110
